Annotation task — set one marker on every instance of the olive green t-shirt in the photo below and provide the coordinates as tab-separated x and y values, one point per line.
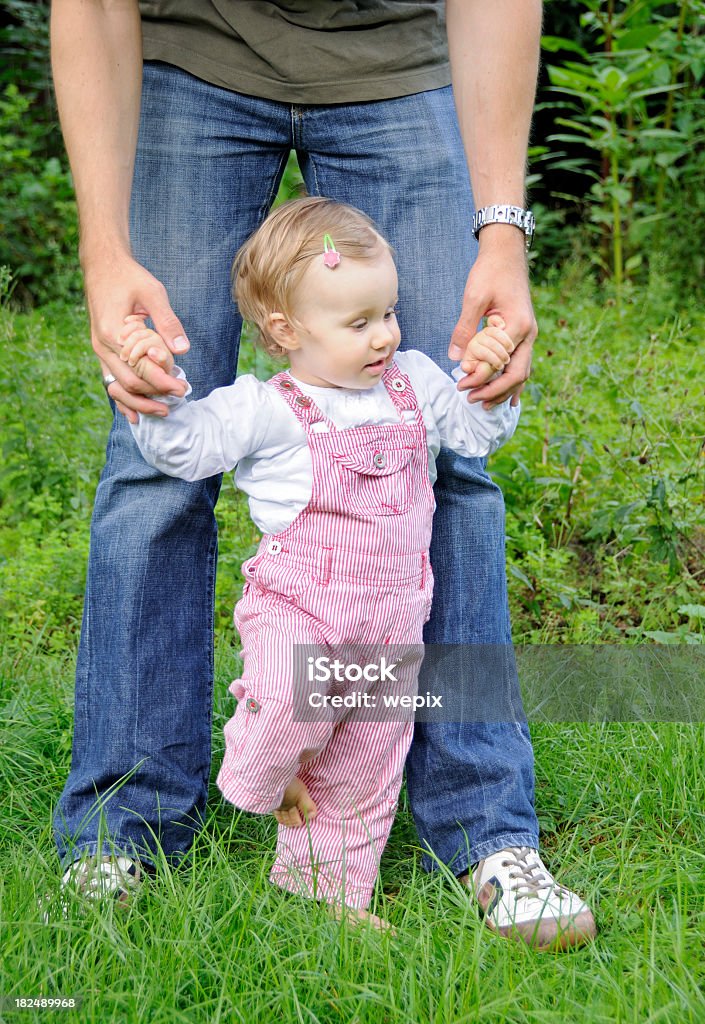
303	51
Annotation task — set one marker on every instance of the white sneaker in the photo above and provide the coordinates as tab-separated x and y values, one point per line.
109	876
521	900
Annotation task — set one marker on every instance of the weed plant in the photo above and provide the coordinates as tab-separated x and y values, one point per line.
603	482
626	97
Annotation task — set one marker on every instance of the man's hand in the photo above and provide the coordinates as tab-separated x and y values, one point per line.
117	287
498	283
494	87
96	53
145	351
488	352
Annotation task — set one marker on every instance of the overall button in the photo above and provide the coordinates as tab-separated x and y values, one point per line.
252	705
274	547
303	400
398	384
380	460
286	384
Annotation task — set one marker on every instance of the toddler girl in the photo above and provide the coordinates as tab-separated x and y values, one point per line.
337	457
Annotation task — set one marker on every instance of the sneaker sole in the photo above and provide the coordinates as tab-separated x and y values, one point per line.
550	935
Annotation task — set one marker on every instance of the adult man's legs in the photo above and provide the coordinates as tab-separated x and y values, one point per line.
402	161
208	165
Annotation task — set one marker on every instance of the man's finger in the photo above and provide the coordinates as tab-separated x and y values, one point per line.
510	383
477	376
466	328
167	323
129	391
153	379
129	414
521	328
135	403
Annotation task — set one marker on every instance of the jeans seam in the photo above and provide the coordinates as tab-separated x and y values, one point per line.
297	119
276	181
212	563
86	666
315	174
136	693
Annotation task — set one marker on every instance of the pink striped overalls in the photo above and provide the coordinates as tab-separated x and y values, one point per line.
352	568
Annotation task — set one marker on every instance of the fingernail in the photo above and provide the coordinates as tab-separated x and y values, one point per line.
155	354
180	343
455	352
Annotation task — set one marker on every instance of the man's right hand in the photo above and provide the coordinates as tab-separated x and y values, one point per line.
117	286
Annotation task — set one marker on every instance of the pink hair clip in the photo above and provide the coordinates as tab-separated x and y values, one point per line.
331	256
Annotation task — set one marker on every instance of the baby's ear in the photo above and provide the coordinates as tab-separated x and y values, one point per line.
283	332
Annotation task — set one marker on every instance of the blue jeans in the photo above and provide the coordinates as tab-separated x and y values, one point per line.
209	163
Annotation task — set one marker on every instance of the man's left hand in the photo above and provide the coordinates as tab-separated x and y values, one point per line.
498	283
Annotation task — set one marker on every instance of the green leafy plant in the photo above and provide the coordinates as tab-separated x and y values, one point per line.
38	222
632	117
24	47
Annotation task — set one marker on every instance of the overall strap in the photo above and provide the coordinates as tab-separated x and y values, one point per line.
400	390
303	407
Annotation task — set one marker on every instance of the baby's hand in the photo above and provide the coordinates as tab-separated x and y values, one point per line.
488	352
140	344
296	799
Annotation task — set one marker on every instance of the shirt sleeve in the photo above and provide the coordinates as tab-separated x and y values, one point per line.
465	428
209	436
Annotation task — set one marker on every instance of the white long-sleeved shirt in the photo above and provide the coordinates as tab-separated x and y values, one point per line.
249	426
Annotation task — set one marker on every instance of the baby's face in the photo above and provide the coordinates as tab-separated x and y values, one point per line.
348	331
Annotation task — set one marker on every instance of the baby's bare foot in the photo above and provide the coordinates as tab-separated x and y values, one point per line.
296	807
361	917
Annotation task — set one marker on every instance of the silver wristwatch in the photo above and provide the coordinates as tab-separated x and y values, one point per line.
501	213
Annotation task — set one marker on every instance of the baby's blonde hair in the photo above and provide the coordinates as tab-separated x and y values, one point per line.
269	267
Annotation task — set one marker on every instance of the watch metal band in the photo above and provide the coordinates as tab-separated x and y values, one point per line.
502	213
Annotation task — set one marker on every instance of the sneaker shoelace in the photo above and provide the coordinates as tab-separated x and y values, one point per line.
528	875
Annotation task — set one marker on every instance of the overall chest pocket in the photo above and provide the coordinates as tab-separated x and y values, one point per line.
376	480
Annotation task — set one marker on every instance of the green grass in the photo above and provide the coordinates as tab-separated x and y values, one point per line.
605	546
214	942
